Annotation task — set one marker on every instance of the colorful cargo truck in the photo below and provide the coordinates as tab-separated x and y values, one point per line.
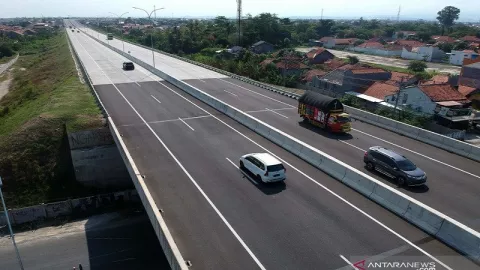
324	112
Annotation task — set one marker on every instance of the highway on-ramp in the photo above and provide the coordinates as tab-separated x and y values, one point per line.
188	154
453	181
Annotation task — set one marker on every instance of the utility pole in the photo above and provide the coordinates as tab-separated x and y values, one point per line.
239	21
398	14
321	17
400	85
12	235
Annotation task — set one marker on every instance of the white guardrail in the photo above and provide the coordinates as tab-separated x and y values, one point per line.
432	138
444	228
167	242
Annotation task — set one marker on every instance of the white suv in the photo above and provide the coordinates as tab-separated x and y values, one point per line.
264	167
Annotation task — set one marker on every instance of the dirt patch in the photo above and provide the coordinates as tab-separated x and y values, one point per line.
5	81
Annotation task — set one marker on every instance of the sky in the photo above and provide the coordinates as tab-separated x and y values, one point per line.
410	9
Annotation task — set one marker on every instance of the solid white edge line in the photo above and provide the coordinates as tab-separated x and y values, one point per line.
347	261
232	230
186	124
156	99
422	155
256	92
233	163
276	113
354	146
311	179
230	93
319	184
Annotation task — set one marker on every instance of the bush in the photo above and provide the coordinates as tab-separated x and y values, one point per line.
417	66
352	59
5	50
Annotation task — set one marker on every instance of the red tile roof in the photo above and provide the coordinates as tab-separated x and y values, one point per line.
290	65
312	73
311	54
371	44
397	76
380	90
344	41
437	79
411	43
466	90
474	45
267	62
325	39
443	39
470	39
442	92
395	47
368	71
334	63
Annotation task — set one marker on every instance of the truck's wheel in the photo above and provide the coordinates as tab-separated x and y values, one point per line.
305	120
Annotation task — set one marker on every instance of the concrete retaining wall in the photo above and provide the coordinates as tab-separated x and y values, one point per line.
453	233
74	207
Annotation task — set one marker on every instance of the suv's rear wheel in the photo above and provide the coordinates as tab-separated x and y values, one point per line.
370	166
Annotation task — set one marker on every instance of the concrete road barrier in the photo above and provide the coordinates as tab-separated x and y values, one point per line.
455	234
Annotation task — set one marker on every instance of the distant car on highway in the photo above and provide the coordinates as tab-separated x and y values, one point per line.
78	31
263	167
395	166
128	66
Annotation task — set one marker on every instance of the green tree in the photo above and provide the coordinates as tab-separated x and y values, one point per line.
446	47
447	16
5	50
424	36
461	46
417	66
352	59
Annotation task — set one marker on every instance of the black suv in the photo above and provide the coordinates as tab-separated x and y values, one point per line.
128	66
394	166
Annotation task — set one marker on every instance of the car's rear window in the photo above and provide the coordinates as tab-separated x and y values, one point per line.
275	168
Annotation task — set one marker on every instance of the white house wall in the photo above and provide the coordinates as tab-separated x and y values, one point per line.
375	51
416	98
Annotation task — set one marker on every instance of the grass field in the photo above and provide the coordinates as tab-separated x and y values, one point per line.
45	99
4	60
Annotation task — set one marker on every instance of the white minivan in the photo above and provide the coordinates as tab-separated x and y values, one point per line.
263	166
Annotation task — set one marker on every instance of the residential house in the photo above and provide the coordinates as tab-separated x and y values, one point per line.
400	77
443	39
469	82
374	95
319	56
339	43
376	48
404	33
472	93
409	43
40	26
235	50
288	68
425	98
474	45
470	39
267	62
316	43
426	53
350	78
309	75
262	47
457	57
334	64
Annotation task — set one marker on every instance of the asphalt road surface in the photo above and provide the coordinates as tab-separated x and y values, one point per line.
109	241
189	155
389	61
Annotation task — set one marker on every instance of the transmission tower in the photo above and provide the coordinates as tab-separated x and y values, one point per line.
321	17
239	21
398	14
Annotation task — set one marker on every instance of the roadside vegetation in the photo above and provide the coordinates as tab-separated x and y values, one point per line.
45	99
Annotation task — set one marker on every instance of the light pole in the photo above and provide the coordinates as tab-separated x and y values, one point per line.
123	44
149	15
10	226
